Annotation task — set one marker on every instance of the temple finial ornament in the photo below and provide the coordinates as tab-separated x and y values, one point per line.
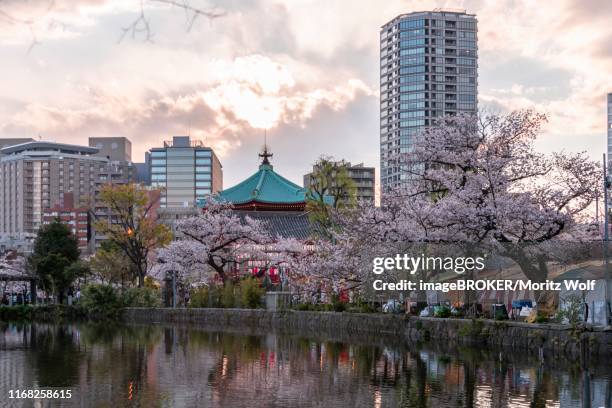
265	154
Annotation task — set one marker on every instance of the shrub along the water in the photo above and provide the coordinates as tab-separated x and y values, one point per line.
105	300
247	293
98	302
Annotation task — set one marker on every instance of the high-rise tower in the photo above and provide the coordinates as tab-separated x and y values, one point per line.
428	69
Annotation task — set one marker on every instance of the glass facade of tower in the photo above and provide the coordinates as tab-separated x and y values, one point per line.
185	171
428	69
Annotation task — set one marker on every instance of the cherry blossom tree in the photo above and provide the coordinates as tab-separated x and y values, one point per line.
475	184
15	266
215	239
481	181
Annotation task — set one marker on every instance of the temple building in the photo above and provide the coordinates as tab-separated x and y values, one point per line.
266	190
273	199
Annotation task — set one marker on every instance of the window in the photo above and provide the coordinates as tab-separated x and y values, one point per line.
412	70
466	106
466	89
158	153
412	42
412	105
467	71
412	61
202	184
413	87
411	97
158	170
412	33
159	162
202	176
412	78
466	44
412	24
466	53
466	61
466	25
203	153
412	51
158	177
414	114
411	123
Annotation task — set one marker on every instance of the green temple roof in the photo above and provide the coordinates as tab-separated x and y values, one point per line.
265	190
265	186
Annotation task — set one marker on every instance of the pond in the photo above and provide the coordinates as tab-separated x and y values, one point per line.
177	366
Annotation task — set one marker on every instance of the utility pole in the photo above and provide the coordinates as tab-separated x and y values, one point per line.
607	183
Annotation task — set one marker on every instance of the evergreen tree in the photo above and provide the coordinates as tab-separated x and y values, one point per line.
55	258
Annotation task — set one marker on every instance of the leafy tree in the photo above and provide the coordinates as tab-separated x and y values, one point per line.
111	265
55	258
134	227
329	188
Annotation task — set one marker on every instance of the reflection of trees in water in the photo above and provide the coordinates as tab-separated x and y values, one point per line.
86	355
122	353
55	355
218	368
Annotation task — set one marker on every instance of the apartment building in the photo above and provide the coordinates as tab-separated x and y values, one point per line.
428	69
363	177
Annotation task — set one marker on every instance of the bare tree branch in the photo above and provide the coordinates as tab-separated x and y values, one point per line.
27	22
141	25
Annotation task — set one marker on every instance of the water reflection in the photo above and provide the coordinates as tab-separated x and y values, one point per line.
110	366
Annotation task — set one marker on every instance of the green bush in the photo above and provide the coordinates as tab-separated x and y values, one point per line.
336	304
100	298
199	297
251	293
442	311
18	312
141	297
304	307
572	312
228	297
541	318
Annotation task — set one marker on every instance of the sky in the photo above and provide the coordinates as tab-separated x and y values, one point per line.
306	72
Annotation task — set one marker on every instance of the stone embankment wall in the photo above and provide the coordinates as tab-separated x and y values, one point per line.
550	339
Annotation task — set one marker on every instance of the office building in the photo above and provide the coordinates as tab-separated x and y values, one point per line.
363	177
38	176
186	171
114	148
35	175
428	69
